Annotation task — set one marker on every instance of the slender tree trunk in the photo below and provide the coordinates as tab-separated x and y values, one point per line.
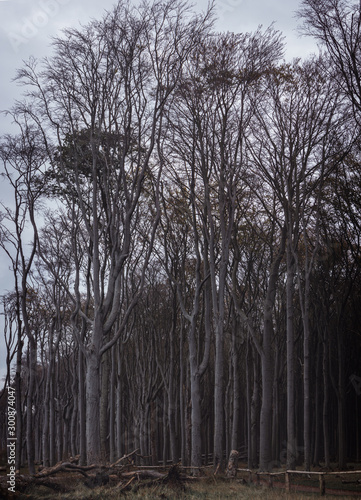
341	404
29	406
165	436
104	402
291	430
119	420
316	454
112	406
218	400
182	398
52	423
46	417
18	405
276	411
92	408
248	388
73	423
306	382
196	418
82	409
227	407
325	422
267	362
254	409
236	388
153	432
171	388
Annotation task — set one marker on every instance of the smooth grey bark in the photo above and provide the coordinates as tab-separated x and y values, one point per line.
92	384
255	401
18	391
112	405
119	430
236	394
82	409
341	409
182	399
30	445
267	360
325	405
317	426
290	342
276	405
45	433
104	404
74	413
248	406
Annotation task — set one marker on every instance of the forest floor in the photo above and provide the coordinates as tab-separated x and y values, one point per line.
70	482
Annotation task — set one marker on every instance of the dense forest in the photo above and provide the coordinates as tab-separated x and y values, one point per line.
184	239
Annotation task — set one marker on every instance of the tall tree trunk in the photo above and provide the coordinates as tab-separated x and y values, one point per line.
276	410
341	403
104	403
153	432
182	397
29	405
316	453
306	381
196	418
112	405
92	408
325	420
172	395
119	404
236	387
18	405
52	423
82	409
254	408
46	416
267	361
218	399
248	389
291	430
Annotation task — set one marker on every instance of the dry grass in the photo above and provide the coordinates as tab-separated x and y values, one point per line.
207	490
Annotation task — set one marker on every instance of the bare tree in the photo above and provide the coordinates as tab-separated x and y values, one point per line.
295	152
23	159
102	97
337	25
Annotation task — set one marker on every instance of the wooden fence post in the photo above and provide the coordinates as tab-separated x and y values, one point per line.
250	477
287	481
322	485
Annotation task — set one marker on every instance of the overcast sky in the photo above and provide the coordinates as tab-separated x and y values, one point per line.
27	25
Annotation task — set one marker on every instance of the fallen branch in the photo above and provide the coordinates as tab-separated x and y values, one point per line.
65	466
125	486
144	474
125	457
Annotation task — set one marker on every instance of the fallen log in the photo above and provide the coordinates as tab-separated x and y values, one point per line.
144	474
65	467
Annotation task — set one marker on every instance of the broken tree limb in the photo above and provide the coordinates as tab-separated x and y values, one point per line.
65	466
125	457
144	474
